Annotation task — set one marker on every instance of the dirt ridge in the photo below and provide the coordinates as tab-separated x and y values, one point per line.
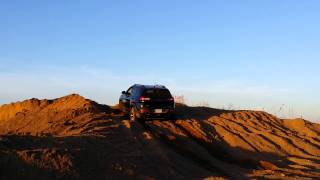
76	138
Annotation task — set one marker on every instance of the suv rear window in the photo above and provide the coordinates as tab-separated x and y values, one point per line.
157	93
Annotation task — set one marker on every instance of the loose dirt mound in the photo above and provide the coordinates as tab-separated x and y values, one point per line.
68	115
75	138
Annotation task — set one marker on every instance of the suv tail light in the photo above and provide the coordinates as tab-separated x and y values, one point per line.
171	99
142	99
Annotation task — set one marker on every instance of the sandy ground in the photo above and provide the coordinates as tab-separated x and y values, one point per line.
75	138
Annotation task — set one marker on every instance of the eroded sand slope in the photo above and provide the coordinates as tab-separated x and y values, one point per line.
76	138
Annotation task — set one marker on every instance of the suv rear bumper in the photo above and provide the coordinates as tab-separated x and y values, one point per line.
150	113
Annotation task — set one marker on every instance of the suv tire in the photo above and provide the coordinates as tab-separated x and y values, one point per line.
122	109
133	114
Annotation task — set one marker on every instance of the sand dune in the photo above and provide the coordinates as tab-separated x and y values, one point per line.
76	138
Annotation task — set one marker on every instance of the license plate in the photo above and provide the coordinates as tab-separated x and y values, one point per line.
158	110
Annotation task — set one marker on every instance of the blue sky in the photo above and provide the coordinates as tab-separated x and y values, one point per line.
251	54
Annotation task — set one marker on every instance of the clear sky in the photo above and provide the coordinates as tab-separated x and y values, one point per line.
246	54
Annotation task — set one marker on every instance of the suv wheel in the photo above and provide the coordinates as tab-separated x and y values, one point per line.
134	117
122	109
133	114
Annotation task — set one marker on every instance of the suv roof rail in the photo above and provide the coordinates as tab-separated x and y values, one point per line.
149	86
159	85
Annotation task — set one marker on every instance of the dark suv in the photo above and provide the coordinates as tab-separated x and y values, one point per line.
144	102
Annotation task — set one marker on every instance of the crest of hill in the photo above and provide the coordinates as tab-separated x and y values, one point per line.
303	127
47	116
69	102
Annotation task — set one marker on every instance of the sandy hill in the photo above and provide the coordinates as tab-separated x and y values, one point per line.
76	138
55	117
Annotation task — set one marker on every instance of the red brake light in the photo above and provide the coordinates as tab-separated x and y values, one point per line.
144	99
